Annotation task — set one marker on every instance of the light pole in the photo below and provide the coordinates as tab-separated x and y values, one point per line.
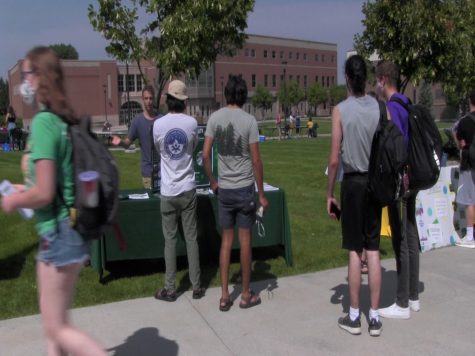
222	93
105	100
284	63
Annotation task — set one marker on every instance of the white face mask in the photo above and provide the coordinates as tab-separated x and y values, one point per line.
28	93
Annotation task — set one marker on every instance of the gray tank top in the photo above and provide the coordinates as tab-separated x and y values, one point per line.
359	120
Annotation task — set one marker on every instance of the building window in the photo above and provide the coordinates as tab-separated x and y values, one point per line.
323	81
273	54
298	80
265	53
131	82
281	78
305	56
323	58
120	83
265	80
333	80
305	81
297	55
246	52
316	57
273	80
316	79
253	53
138	79
333	59
281	54
290	55
328	81
253	80
291	77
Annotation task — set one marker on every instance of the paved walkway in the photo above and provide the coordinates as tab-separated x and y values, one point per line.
297	317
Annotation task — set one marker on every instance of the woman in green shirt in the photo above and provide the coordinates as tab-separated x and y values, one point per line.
62	251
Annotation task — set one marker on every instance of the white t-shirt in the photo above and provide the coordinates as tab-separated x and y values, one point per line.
175	137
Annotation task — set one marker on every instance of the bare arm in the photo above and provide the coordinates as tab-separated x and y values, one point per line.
258	173
117	141
334	159
40	195
207	147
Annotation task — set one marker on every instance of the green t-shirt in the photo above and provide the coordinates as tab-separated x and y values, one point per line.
49	139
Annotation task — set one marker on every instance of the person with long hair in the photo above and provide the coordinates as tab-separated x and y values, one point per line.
49	189
10	122
354	122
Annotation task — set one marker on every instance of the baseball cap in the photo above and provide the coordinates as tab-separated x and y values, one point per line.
177	89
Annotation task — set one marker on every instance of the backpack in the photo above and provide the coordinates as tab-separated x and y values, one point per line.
387	161
471	149
425	147
90	154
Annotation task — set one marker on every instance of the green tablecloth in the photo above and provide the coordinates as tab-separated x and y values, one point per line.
140	224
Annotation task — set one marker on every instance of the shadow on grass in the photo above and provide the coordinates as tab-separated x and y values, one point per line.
388	292
146	342
11	266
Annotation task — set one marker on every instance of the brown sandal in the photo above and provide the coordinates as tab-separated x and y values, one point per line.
250	301
225	304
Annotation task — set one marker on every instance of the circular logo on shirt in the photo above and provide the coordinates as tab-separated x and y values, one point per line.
176	143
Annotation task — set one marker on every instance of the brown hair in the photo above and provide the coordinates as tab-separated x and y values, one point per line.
47	66
149	89
389	70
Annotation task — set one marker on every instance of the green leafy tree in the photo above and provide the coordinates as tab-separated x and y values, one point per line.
4	98
425	96
421	36
317	95
262	99
65	51
337	93
180	37
290	95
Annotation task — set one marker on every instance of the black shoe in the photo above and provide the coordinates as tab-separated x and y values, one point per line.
198	293
166	295
353	327
375	327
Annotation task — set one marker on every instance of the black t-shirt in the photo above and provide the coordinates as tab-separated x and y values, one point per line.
465	131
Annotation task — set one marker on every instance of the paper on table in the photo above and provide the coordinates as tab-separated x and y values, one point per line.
269	188
139	196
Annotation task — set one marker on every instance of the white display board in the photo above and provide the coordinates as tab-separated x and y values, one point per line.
435	212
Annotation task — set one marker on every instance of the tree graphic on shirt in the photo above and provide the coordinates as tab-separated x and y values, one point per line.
227	145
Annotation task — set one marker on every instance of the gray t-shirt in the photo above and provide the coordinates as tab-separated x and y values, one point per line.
141	128
359	120
233	130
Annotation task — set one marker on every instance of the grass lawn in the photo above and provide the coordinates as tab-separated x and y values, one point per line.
297	166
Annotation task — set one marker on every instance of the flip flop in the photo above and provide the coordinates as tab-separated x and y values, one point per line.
250	301
225	304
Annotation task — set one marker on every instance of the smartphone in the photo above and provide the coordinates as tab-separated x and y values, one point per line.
335	210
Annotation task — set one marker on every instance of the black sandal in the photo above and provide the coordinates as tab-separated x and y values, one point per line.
251	301
225	304
167	296
198	293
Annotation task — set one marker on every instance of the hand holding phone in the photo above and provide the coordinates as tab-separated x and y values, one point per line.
334	209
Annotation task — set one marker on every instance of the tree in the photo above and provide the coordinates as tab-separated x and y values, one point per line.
262	99
65	51
291	94
4	97
180	37
421	36
337	93
425	96
317	95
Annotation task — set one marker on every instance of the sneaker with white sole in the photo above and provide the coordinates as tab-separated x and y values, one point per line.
375	327
464	242
352	326
414	305
395	312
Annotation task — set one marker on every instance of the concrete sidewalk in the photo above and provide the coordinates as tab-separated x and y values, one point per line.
297	317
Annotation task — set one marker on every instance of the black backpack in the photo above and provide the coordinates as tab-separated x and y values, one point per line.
387	161
90	154
471	149
425	147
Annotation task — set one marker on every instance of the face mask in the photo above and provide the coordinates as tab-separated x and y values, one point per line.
28	93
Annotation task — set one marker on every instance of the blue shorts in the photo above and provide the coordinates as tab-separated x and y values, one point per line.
237	207
63	246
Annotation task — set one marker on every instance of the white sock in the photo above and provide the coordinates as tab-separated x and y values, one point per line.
469	233
373	314
354	313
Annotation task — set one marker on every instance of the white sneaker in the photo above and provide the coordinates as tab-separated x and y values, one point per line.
395	312
414	305
464	242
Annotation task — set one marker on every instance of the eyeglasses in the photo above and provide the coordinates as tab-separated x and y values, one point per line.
25	73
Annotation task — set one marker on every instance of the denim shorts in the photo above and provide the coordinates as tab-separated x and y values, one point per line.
63	246
237	207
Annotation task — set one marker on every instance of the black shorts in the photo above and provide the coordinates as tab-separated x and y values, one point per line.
237	207
360	214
